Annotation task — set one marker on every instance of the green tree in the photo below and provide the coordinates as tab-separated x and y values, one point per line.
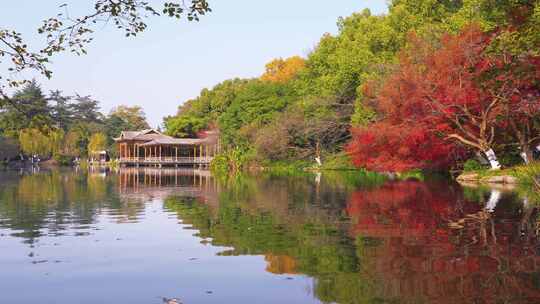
125	118
252	108
184	126
62	113
31	110
85	109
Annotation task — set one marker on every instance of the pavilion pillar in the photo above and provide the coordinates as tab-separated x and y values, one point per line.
200	152
159	152
176	153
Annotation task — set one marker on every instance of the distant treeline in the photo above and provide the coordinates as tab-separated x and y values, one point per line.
427	85
61	127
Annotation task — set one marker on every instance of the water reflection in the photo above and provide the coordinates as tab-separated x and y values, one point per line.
424	243
159	183
402	241
360	238
55	202
51	202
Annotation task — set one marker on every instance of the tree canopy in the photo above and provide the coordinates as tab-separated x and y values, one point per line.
56	125
383	90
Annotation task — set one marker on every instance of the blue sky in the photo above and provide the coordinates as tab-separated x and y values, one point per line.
173	61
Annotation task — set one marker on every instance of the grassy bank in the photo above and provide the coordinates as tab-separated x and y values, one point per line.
339	161
522	174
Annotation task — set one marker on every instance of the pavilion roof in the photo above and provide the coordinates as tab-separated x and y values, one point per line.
152	137
143	135
173	141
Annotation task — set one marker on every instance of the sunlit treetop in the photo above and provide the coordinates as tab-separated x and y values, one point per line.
283	70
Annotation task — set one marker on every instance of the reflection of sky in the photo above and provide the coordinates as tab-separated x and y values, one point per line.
150	260
173	62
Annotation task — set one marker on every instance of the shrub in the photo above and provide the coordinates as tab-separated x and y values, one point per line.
472	165
63	160
232	161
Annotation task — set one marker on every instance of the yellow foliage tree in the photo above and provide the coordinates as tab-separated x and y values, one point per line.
71	144
98	142
282	70
34	141
56	140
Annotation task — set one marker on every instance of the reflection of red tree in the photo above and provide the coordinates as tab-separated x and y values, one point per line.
420	259
407	208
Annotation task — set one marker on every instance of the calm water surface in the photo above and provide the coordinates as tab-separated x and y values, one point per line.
145	235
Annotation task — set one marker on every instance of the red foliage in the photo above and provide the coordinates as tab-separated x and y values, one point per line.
390	147
517	83
458	91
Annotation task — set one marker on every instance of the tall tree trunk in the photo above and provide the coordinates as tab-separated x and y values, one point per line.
318	154
526	153
492	158
522	134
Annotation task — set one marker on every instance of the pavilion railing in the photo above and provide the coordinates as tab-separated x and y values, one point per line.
165	160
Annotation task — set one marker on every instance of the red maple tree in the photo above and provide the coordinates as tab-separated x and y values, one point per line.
516	82
439	97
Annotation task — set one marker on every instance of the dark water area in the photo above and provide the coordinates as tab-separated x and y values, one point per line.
151	235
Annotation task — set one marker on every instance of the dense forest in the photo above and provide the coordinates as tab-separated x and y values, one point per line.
60	127
428	85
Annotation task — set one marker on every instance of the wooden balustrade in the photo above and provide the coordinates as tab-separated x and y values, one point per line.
166	160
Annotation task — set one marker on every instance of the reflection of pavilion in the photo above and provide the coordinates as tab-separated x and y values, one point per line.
163	182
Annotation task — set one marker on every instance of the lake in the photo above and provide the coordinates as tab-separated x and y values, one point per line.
150	235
